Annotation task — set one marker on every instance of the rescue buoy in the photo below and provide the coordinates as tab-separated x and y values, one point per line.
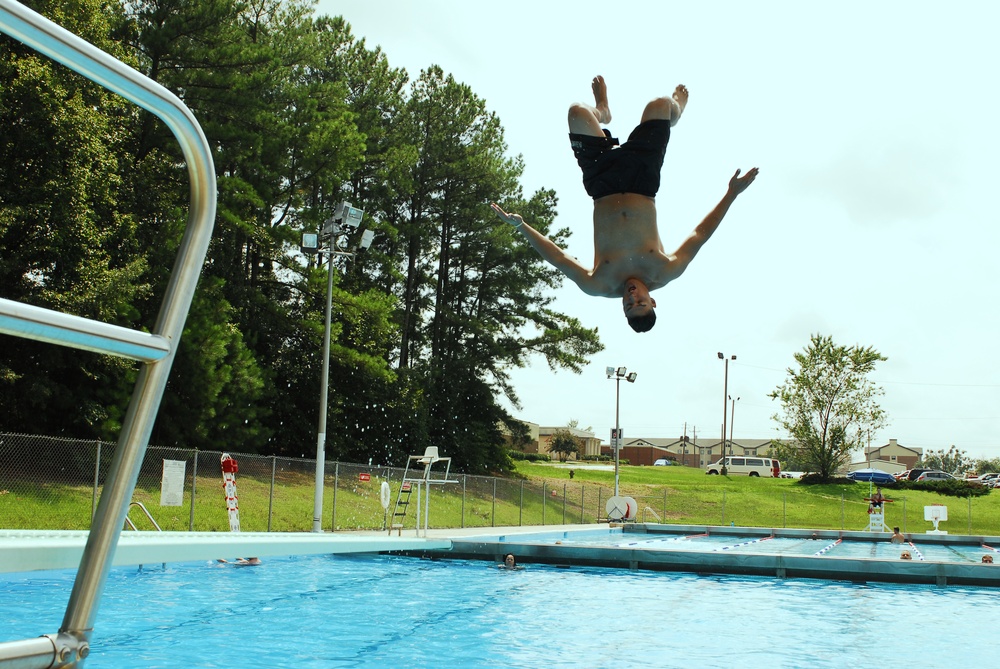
386	495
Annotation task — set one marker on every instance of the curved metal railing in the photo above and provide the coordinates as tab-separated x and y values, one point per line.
155	349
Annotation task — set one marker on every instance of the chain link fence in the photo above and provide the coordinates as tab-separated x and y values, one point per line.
55	483
49	483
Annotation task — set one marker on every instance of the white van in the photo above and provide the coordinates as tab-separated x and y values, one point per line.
747	466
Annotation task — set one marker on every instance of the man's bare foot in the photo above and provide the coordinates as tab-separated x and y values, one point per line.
601	100
681	96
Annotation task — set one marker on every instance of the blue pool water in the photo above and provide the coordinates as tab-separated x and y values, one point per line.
798	546
369	611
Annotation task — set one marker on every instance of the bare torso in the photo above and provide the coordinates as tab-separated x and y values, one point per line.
627	245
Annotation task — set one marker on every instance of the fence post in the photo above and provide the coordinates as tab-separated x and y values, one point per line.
904	515
336	484
543	502
97	481
520	506
194	488
664	504
583	501
465	479
270	495
600	492
494	521
723	506
564	504
784	509
841	510
970	514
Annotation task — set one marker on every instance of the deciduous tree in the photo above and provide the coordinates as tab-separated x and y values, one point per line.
828	402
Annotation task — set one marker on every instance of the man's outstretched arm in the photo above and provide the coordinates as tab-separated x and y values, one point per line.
548	249
687	251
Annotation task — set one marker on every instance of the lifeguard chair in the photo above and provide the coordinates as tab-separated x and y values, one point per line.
421	480
876	515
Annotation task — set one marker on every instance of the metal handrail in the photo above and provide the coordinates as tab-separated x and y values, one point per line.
156	350
142	507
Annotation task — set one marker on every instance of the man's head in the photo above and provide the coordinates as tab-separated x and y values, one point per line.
638	306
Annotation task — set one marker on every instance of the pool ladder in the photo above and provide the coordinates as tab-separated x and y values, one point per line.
145	511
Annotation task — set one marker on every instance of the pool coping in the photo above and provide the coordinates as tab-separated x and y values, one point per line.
34	550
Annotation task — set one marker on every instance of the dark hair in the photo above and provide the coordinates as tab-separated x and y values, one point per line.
643	323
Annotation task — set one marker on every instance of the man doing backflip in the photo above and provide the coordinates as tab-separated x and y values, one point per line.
629	260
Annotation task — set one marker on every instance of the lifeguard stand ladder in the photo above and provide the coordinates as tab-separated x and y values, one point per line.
155	349
876	520
422	480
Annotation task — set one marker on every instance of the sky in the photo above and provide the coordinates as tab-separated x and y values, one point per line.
872	221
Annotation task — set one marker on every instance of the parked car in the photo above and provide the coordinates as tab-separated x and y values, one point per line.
747	466
986	479
913	474
663	462
935	475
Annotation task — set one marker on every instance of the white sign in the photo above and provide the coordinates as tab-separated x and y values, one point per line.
172	483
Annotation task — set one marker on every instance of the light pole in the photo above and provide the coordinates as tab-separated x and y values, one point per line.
616	438
334	235
725	409
732	420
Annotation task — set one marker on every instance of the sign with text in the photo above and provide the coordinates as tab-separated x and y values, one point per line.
364	476
172	483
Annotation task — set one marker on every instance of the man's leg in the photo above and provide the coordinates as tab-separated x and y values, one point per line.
667	109
585	119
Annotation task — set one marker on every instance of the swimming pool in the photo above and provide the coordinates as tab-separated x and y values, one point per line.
387	611
785	553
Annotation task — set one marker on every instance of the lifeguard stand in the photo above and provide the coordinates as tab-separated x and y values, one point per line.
422	480
876	520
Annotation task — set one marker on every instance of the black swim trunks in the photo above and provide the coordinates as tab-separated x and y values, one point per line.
633	167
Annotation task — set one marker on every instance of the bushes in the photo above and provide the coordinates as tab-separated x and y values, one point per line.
952	488
530	457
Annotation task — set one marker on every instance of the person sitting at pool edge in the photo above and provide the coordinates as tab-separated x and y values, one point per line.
896	537
629	260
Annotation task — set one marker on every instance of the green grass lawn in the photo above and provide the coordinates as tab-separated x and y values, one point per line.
539	494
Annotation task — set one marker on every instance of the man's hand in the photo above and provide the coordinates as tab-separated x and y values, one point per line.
739	184
510	219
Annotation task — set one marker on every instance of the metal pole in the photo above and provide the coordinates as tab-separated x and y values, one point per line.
336	484
520	506
725	397
465	478
583	500
97	481
564	504
543	502
732	420
317	525
194	487
270	495
494	520
617	444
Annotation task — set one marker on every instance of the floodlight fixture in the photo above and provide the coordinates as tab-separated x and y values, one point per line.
310	242
610	371
621	371
367	237
631	377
